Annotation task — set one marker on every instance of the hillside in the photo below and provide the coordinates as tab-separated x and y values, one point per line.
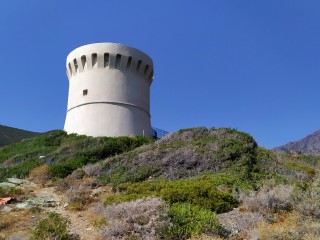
308	145
196	183
10	135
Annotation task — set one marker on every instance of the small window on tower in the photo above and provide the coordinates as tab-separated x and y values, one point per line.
85	92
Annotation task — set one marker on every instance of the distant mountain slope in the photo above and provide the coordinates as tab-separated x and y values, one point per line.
308	145
10	135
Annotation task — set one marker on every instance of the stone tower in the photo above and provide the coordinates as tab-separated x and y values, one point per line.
109	91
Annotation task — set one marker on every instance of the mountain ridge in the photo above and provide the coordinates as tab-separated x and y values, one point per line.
9	135
307	145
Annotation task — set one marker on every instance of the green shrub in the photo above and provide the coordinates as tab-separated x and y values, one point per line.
63	153
310	171
190	220
63	169
20	171
53	227
51	139
123	198
200	193
185	154
11	192
195	190
312	160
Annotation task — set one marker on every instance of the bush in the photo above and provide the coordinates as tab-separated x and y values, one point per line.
269	198
63	169
140	219
190	220
307	199
64	153
20	171
290	226
78	197
53	227
40	174
11	192
185	154
195	190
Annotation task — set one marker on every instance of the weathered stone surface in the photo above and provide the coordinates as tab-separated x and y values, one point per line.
36	202
7	185
6	209
98	191
24	205
15	181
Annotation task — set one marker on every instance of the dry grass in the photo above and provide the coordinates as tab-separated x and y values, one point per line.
268	199
15	224
78	191
78	197
40	175
286	226
93	169
307	201
141	219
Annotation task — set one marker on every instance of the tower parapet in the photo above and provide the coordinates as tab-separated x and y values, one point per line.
109	91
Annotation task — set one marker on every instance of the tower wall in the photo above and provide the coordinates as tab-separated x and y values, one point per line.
109	91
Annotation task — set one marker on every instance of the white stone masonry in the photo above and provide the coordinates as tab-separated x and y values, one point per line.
109	91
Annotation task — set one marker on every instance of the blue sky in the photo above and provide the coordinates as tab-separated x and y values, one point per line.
251	65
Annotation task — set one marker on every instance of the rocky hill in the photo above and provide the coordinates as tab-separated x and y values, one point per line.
308	145
138	188
10	135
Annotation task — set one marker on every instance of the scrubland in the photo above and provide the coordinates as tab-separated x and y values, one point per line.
196	183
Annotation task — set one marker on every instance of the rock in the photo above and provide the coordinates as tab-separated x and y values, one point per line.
36	202
40	157
6	209
21	182
23	205
65	205
98	191
15	181
30	184
7	185
19	236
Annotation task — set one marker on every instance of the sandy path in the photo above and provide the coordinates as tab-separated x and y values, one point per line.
80	224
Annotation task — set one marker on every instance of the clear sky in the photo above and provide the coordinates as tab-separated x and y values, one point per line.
250	65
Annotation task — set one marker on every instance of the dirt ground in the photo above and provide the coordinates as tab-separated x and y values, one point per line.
18	223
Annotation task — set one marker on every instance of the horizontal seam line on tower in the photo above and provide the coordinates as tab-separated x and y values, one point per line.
113	103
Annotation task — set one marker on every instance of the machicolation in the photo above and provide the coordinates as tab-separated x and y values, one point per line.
109	91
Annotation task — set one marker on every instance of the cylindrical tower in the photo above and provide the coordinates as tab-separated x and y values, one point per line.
109	91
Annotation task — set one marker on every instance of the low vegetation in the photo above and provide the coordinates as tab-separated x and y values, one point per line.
53	227
145	218
9	135
62	153
190	220
197	191
184	154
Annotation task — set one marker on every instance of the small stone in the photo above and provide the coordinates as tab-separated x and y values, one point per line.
6	209
15	180
40	157
22	205
7	185
98	191
65	205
